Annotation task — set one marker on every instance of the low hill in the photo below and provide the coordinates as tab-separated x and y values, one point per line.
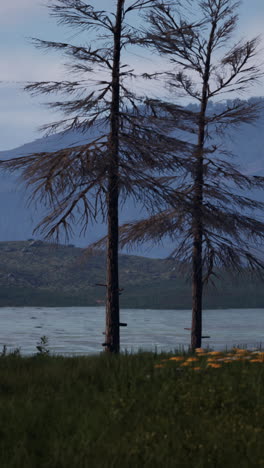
34	273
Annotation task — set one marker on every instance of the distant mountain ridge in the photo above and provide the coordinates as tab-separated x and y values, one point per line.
18	221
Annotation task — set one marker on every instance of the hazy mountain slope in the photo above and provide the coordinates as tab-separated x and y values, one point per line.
39	274
17	221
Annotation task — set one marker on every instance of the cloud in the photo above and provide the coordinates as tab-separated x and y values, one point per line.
20	117
18	5
18	11
22	66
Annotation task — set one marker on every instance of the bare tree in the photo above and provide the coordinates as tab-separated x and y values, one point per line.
122	158
217	226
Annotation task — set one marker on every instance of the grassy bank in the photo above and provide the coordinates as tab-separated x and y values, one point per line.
142	410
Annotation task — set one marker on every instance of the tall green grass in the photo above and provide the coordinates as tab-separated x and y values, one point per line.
125	411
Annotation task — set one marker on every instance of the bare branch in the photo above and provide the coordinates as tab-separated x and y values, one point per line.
79	15
99	57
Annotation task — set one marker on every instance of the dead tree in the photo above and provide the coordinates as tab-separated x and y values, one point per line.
217	226
129	145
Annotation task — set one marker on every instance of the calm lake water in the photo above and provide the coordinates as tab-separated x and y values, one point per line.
79	330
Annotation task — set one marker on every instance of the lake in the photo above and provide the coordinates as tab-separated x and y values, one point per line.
79	330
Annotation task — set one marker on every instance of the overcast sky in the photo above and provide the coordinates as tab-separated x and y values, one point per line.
21	114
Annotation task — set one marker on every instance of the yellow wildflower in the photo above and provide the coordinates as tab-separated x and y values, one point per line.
159	365
214	365
191	359
176	358
197	368
199	350
240	351
255	360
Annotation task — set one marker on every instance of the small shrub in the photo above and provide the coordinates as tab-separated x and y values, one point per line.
4	350
42	346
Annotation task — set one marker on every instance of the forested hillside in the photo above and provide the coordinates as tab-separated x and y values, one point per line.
33	273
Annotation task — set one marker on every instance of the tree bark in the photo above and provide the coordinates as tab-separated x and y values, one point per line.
112	333
197	224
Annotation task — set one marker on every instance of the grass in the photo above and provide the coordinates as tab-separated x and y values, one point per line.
142	410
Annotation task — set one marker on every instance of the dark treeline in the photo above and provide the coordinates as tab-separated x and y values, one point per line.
155	151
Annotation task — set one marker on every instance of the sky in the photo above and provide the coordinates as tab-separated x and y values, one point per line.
21	115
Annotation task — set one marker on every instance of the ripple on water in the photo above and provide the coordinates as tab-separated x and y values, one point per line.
80	329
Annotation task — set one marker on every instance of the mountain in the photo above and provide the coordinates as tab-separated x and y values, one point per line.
35	273
17	220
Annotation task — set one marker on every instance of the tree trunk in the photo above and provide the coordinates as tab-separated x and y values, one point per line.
112	333
197	270
197	224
